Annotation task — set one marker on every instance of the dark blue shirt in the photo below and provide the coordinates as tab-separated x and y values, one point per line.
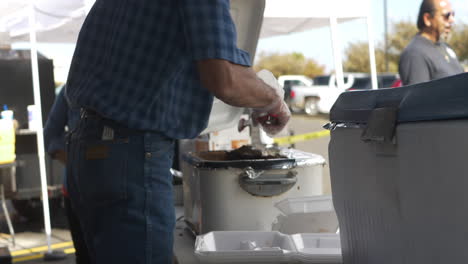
135	62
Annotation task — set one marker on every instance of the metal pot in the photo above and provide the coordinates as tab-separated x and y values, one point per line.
224	194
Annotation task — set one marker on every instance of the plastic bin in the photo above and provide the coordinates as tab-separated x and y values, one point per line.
7	141
399	171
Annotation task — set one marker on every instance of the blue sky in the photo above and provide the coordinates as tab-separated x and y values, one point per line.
316	43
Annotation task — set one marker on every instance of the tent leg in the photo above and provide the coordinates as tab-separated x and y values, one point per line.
373	66
7	215
50	255
337	53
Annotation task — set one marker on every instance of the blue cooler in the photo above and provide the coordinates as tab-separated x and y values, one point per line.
399	173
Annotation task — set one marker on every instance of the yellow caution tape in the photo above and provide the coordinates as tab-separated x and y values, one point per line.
303	137
38	252
39	256
40	249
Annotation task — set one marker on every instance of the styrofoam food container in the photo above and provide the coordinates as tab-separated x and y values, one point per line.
317	248
267	247
309	214
243	247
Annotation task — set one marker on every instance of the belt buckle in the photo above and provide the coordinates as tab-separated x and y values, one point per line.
83	113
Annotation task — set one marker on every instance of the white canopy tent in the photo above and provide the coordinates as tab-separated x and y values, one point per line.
56	20
60	21
285	17
22	17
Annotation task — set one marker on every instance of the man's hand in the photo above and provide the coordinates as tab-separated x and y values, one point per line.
273	120
273	117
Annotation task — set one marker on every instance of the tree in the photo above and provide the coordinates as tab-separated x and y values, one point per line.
459	40
357	54
402	33
289	63
357	58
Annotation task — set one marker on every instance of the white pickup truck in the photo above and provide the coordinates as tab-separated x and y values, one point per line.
288	81
320	97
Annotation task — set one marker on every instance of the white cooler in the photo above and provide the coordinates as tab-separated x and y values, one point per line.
399	173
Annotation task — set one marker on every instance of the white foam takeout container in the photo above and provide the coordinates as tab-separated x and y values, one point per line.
267	247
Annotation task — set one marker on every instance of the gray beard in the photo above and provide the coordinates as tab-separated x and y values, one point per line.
445	37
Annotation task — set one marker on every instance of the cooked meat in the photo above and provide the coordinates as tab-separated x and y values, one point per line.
248	152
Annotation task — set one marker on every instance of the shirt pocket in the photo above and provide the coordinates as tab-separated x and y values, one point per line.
103	172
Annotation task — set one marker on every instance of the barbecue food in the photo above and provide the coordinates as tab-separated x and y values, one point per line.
247	152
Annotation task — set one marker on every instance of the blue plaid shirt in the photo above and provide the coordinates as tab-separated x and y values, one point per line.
135	62
60	116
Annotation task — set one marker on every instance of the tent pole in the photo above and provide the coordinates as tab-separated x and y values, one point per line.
39	132
373	66
387	69
336	52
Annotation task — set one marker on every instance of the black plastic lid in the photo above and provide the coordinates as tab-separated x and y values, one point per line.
440	99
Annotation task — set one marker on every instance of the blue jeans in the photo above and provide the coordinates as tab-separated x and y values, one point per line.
121	188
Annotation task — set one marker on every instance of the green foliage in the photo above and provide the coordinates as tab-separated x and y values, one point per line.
288	63
459	41
357	58
357	54
401	34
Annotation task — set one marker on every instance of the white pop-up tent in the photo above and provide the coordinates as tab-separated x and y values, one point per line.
285	17
27	17
60	21
56	20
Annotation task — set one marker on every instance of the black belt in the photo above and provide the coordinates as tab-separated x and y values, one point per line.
86	113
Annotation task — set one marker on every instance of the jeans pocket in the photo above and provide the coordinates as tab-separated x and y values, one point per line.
103	172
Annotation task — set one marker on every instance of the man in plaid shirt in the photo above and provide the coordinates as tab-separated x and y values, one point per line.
144	73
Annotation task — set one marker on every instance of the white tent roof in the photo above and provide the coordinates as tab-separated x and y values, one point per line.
60	21
317	8
284	17
56	20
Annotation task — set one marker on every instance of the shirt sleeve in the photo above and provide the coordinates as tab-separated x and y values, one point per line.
54	130
210	32
413	68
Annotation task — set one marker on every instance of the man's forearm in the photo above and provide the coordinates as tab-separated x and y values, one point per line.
235	85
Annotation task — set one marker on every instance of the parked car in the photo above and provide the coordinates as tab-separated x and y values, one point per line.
397	83
384	80
320	97
294	80
288	81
